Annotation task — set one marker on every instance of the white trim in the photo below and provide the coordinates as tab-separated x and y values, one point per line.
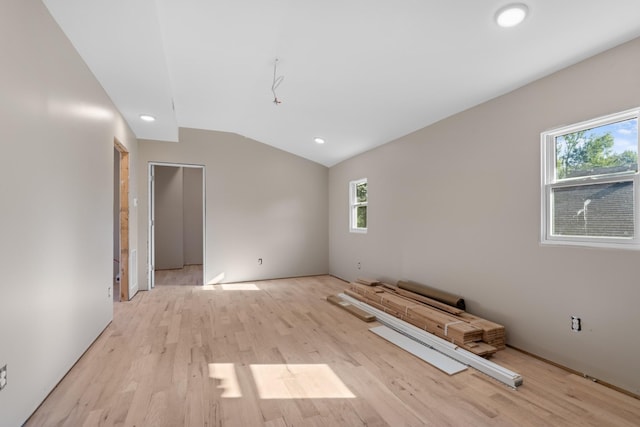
150	225
151	214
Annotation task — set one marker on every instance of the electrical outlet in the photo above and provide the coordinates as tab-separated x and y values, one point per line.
109	291
3	377
358	266
576	323
259	261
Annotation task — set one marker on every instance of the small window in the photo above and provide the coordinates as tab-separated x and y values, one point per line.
590	182
358	206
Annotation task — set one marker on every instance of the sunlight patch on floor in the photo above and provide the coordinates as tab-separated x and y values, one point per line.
225	373
284	381
239	287
231	287
217	279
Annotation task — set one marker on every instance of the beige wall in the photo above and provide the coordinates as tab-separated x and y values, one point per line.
457	205
57	129
261	202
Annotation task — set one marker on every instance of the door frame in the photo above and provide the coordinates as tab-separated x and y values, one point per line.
124	219
151	218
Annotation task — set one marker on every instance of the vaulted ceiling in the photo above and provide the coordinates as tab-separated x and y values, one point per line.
358	73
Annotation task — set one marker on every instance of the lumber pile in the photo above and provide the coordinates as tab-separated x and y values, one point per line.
477	335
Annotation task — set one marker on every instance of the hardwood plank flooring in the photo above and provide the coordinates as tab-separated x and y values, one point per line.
189	275
201	356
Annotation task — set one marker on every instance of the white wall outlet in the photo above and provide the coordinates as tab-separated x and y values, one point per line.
576	323
3	377
358	265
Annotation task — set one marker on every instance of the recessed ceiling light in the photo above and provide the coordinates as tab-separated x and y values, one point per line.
511	15
147	118
318	140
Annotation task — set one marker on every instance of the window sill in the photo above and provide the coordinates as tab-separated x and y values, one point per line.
590	245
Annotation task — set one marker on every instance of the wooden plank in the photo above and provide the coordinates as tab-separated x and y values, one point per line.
368	282
421	351
359	313
124	221
494	370
429	301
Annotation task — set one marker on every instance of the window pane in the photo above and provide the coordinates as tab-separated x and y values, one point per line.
611	148
361	192
602	210
361	217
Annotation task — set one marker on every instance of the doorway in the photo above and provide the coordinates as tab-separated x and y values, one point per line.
176	224
121	224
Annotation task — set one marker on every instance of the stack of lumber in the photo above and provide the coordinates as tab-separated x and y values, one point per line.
492	333
477	335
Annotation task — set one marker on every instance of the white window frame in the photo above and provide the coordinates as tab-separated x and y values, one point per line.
549	182
354	205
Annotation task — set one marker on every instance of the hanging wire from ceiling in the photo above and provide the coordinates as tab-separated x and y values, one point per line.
276	83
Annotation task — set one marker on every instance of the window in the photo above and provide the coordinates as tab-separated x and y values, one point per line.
590	183
358	206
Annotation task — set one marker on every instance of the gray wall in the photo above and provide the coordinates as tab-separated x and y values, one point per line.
192	197
169	221
457	205
261	202
57	129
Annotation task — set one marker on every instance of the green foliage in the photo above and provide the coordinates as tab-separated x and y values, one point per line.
362	217
579	154
361	192
361	197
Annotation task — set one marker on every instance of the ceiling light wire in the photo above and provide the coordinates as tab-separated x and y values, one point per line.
276	83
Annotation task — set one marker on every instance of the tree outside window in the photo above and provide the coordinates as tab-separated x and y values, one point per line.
590	182
358	206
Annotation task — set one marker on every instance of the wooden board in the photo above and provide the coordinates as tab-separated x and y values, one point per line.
368	282
359	313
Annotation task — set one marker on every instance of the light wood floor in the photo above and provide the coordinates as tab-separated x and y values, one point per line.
208	356
189	275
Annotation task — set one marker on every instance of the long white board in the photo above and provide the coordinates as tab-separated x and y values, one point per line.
421	351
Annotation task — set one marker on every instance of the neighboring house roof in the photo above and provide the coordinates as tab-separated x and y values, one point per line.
594	210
